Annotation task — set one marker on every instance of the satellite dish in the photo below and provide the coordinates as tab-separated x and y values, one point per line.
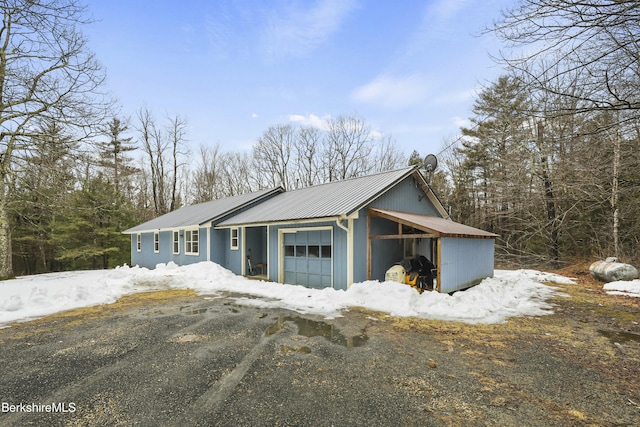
430	163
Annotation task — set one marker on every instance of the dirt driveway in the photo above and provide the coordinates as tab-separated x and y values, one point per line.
175	358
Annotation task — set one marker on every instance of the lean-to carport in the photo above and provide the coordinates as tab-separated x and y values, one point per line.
463	255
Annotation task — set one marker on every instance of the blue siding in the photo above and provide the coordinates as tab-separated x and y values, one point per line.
464	262
234	257
219	240
406	197
149	259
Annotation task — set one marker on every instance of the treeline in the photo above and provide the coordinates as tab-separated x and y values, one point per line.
551	160
71	200
560	188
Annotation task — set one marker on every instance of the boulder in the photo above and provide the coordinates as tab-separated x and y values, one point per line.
611	270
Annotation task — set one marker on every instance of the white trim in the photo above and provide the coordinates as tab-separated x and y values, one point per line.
231	238
173	242
209	243
283	223
350	234
283	231
190	240
268	257
156	242
243	244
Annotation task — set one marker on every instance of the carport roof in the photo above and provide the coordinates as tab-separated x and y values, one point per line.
441	227
202	213
329	200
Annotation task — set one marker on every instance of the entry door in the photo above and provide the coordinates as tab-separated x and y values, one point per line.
307	258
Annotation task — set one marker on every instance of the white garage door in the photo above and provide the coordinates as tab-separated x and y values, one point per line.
307	258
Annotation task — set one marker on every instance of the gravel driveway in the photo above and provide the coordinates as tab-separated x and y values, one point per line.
175	358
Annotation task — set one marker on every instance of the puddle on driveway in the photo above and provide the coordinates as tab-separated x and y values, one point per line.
313	328
188	311
620	336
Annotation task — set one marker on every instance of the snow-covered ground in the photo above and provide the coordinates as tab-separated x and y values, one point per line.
630	288
507	294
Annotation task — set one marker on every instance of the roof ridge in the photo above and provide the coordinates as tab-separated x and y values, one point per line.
353	178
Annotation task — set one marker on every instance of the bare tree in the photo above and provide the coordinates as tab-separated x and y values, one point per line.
387	156
600	38
348	146
307	147
46	71
272	155
164	149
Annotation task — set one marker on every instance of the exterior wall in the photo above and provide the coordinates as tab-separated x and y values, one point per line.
149	259
406	197
219	243
464	262
234	257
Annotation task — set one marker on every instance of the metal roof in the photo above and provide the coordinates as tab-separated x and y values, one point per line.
321	201
201	213
440	226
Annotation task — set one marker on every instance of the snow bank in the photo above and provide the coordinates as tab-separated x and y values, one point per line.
494	300
630	288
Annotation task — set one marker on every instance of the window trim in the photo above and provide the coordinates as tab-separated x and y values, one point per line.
189	241
176	242
156	242
235	246
139	242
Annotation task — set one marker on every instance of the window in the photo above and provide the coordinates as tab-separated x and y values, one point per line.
139	242
301	251
176	242
234	238
191	246
326	251
409	248
156	242
289	250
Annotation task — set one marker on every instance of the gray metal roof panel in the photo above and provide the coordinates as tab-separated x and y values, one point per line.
321	201
198	214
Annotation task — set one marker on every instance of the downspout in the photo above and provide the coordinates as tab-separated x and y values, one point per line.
348	230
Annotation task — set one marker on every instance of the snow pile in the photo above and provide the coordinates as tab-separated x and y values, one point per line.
629	288
507	294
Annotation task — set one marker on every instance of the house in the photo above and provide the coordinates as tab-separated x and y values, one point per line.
329	235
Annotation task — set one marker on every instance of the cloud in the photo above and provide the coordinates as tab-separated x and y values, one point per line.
393	92
460	122
296	31
310	120
254	115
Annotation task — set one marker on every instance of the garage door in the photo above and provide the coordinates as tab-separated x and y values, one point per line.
307	258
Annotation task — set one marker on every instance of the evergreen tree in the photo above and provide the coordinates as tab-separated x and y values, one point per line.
113	155
88	233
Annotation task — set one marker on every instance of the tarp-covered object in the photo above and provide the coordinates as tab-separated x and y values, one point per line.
610	270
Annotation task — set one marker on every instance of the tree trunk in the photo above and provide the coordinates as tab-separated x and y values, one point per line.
6	268
549	199
614	196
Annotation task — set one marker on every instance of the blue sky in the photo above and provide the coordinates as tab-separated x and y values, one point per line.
232	68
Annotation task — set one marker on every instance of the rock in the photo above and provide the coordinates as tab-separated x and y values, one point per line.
611	270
